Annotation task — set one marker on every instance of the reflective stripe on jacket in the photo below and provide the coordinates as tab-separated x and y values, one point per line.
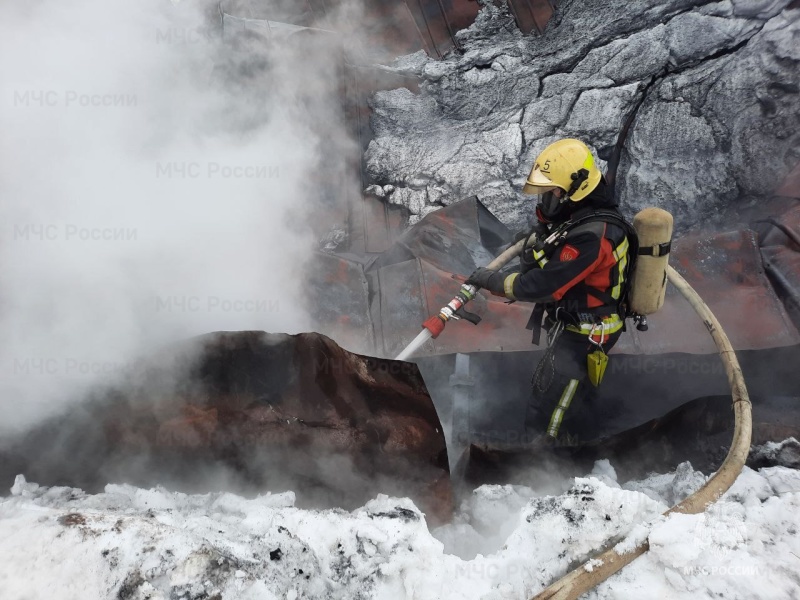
585	273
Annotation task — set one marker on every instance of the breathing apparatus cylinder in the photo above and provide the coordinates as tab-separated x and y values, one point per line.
649	284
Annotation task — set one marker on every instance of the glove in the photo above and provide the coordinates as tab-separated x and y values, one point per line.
526	261
489	280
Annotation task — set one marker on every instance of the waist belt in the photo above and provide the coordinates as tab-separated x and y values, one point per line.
598	330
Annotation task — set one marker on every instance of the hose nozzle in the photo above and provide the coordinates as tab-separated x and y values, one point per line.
454	310
435	325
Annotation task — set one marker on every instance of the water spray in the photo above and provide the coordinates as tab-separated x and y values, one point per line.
454	310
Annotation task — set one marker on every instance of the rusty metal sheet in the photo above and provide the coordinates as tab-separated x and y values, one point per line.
523	15
457	239
789	224
783	267
542	12
727	272
439	20
780	250
261	411
782	229
532	15
339	302
432	26
791	218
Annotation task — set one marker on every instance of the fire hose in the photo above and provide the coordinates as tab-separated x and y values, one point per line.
580	580
607	563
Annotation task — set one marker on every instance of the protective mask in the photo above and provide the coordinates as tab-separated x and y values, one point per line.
551	207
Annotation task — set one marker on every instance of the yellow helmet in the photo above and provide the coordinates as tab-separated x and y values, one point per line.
567	164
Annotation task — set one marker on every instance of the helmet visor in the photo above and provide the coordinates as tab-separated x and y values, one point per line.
534	190
538	182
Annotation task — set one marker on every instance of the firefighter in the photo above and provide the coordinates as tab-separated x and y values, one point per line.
576	271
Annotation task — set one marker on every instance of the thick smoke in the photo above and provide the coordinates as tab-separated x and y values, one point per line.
157	181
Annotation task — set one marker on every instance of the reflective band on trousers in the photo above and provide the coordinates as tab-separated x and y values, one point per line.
563	404
599	331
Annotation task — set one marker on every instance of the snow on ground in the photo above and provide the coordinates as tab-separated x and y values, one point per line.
135	544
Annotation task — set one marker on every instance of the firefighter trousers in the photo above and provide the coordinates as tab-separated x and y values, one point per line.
559	395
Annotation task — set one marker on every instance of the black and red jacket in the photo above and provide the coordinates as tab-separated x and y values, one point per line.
584	273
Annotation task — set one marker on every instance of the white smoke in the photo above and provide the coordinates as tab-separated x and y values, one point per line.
156	183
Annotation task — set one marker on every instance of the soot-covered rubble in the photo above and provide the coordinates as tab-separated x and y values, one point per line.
711	87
